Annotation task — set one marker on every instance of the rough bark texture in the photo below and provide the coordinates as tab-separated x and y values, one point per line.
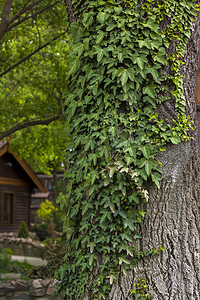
173	214
5	17
72	18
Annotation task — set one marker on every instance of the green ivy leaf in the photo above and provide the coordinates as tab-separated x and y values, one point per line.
124	77
146	43
140	61
175	139
156	177
112	171
100	36
123	260
155	75
78	48
149	90
86	207
131	74
102	17
106	215
160	58
74	66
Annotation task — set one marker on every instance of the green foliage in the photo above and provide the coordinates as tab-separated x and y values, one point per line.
140	290
55	250
25	265
50	212
5	259
7	265
23	231
51	220
33	90
46	153
41	231
46	209
8	251
122	67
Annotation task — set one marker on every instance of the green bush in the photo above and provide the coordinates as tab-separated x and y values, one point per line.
51	216
41	230
57	219
55	251
48	211
23	231
7	265
9	251
5	260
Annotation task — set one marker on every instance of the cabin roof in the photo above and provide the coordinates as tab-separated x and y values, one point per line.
4	148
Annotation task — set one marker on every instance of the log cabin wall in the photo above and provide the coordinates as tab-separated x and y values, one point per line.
17	181
15	194
21	207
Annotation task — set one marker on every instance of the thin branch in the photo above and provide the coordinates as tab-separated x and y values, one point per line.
31	54
10	92
26	3
32	16
30	123
36	121
38	32
23	10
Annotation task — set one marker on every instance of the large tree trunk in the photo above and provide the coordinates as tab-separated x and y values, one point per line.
172	218
173	214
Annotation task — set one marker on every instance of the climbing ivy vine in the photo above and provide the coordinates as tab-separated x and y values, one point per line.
125	61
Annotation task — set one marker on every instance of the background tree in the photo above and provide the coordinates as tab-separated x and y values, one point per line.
127	102
34	46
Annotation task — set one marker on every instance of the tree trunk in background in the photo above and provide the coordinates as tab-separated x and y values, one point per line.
173	213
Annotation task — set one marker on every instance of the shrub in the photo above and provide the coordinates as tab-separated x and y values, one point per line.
52	218
41	230
5	260
57	219
46	210
55	251
23	231
8	250
7	265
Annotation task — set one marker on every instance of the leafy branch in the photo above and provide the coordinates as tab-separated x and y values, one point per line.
31	16
36	121
30	55
8	24
5	22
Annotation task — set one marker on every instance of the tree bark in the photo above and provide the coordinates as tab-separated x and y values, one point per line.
69	5
5	17
173	213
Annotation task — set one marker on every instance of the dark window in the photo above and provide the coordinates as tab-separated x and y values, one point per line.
7	209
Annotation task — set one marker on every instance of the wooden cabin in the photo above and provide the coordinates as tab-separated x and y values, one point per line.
17	181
